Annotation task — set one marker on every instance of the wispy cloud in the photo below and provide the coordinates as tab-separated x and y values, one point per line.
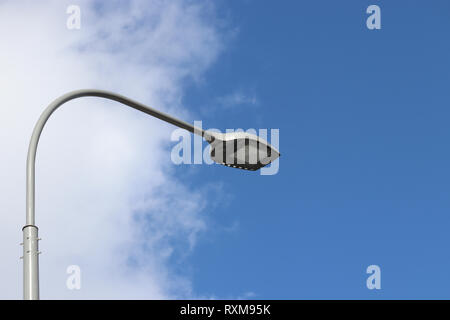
106	199
238	98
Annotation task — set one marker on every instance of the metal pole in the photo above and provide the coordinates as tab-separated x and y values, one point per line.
30	263
30	231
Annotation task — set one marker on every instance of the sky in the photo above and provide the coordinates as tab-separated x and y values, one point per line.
363	131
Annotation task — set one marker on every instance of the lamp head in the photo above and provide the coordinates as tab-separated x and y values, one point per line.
241	150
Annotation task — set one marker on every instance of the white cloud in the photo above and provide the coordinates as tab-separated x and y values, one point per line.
106	199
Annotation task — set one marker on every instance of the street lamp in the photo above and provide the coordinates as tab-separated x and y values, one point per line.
239	150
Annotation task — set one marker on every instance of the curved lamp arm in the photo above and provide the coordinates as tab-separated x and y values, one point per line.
30	219
30	231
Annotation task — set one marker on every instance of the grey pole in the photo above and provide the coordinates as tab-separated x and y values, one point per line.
30	231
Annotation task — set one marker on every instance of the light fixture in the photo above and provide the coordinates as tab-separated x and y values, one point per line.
241	150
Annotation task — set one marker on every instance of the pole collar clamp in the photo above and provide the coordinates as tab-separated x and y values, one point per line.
30	225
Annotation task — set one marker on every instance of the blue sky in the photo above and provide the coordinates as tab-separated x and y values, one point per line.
364	173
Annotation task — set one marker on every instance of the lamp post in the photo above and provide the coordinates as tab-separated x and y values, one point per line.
239	150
